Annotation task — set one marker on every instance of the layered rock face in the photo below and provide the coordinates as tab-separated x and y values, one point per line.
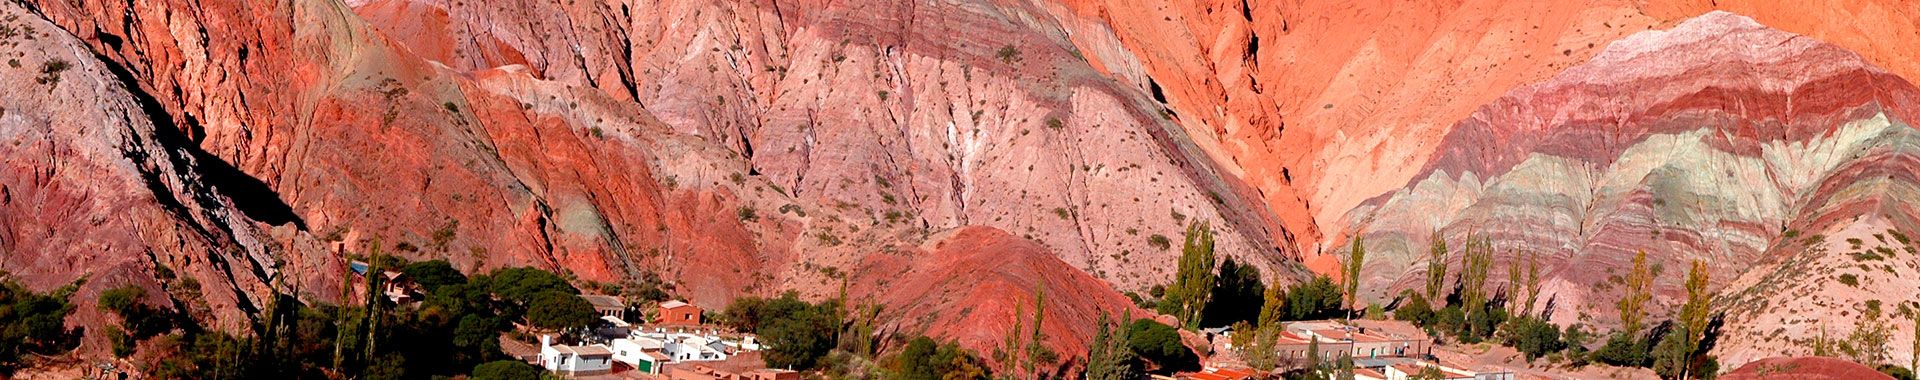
731	148
93	187
1720	140
1321	105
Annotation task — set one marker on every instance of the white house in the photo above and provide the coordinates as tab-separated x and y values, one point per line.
690	348
574	360
642	353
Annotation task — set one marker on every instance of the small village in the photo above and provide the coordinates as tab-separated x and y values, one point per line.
1380	350
1212	323
670	340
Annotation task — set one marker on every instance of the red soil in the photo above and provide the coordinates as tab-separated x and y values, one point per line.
1804	368
973	284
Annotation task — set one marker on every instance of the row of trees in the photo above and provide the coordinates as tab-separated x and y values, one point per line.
799	334
1473	312
455	327
1233	294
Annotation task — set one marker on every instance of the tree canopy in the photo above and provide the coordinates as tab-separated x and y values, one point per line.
1193	281
507	370
1236	296
33	323
433	274
924	359
560	311
1160	344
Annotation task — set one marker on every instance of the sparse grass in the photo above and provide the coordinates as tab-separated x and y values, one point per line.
1008	54
794	209
826	238
50	71
1160	241
1062	213
445	235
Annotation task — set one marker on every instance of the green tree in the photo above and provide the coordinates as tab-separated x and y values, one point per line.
1109	357
507	370
799	340
1533	282
1193	281
1672	355
1894	371
141	321
1259	346
1417	310
1429	373
1868	344
433	274
521	285
1313	354
1477	263
33	323
1633	303
560	311
1694	314
1356	259
1436	265
1236	295
1273	307
1622	350
1315	299
1038	355
1160	344
1533	337
1576	338
924	359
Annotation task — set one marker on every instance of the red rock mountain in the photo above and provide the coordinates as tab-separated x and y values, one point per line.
1719	140
733	148
969	152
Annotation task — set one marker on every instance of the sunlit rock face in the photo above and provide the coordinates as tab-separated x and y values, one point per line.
727	148
1718	140
1321	105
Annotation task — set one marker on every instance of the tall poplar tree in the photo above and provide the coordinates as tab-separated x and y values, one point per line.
1436	266
1633	304
1356	259
1694	314
1476	264
1193	282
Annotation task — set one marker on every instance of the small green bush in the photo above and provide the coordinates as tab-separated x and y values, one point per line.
1159	241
